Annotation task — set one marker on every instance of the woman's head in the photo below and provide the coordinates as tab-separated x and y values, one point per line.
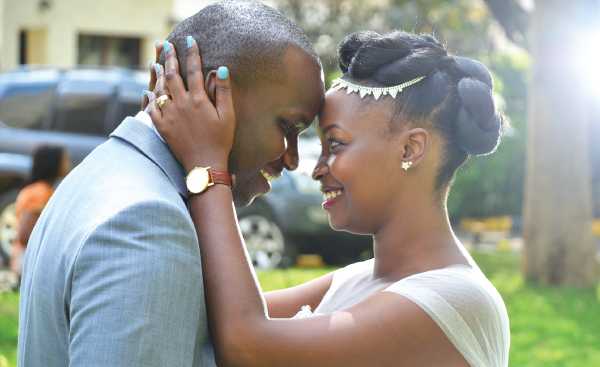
432	127
49	164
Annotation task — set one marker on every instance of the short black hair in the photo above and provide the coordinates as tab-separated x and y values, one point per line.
47	161
455	96
248	37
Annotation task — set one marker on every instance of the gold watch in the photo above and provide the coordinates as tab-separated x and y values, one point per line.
201	178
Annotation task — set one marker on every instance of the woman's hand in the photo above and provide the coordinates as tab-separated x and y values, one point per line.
149	95
198	132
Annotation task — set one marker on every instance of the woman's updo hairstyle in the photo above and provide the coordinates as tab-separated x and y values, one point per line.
455	96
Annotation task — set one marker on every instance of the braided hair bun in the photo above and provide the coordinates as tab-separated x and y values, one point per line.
478	126
456	94
372	58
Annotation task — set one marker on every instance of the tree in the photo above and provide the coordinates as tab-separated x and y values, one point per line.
459	23
559	246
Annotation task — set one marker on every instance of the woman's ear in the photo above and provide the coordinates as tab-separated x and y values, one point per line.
415	145
210	85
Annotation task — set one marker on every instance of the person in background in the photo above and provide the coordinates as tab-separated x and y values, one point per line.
50	164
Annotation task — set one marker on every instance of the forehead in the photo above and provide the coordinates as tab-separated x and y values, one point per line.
350	112
299	88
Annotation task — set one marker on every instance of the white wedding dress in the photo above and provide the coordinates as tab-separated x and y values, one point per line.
459	298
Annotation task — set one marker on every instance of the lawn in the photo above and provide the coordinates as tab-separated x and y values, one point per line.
550	327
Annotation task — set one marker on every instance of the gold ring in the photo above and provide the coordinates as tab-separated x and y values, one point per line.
162	100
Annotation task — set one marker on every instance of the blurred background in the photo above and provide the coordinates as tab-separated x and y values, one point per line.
70	70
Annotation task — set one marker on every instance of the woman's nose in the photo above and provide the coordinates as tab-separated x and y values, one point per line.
320	168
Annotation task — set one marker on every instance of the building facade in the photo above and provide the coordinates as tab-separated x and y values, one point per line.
65	33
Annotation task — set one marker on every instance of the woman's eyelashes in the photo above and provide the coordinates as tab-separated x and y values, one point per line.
334	145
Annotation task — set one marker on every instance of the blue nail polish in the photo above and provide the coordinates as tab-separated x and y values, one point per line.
222	72
190	41
157	69
149	95
166	47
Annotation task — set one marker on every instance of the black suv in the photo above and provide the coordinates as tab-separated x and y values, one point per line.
78	108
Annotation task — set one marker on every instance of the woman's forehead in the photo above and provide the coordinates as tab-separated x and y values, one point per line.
350	111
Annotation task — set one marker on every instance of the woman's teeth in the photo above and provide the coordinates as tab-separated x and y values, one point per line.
330	195
267	176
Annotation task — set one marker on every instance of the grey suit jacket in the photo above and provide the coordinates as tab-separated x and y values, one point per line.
112	273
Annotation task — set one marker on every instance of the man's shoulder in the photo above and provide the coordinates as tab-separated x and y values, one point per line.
114	181
115	168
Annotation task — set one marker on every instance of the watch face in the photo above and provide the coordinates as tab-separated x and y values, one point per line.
197	180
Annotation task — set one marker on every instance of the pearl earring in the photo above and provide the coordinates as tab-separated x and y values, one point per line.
407	165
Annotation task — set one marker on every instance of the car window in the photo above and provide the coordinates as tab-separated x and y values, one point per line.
82	113
26	105
84	99
128	103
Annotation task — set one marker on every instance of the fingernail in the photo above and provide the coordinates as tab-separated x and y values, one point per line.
157	43
222	72
166	47
190	41
149	94
158	69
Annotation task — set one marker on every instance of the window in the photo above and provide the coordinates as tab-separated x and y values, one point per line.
128	102
80	113
33	45
83	100
105	50
26	98
22	48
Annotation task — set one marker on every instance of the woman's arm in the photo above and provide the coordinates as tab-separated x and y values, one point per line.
286	303
384	330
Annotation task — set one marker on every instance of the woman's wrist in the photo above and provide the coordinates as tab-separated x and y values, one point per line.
218	164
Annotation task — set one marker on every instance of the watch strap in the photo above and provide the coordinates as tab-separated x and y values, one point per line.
220	177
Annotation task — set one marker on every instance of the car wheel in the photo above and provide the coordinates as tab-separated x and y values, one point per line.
265	242
8	225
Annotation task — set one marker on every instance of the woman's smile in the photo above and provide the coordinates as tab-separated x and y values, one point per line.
331	196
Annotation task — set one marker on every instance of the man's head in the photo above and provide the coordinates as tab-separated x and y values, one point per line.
277	84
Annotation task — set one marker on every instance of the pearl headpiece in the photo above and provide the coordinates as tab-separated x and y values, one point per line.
376	92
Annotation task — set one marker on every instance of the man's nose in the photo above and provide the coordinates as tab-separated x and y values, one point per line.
290	157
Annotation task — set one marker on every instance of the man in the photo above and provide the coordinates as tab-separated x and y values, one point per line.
112	274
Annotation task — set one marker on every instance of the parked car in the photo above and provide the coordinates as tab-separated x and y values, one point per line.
78	108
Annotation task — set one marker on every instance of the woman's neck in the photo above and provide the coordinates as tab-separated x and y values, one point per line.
416	240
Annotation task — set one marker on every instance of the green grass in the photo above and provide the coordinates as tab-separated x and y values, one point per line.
9	316
550	327
277	279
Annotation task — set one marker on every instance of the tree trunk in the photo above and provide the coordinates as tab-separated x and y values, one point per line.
559	247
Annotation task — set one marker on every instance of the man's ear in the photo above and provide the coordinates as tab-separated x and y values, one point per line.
210	85
416	142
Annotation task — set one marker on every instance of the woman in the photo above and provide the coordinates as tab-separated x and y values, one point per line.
395	128
50	163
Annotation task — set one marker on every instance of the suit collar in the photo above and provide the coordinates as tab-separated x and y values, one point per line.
142	137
